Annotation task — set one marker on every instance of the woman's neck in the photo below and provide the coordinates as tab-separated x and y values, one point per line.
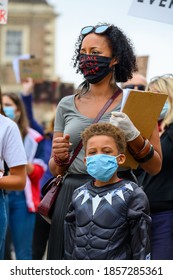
102	91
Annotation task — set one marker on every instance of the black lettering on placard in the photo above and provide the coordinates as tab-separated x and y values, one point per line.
171	4
162	4
150	2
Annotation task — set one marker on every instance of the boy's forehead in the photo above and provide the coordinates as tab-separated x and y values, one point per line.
101	140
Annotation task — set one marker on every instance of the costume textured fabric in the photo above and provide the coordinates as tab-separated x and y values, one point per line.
110	222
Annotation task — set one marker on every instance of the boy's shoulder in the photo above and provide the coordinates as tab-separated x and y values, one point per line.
127	184
83	187
124	185
130	186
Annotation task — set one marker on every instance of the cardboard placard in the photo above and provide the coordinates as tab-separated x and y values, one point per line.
143	108
30	68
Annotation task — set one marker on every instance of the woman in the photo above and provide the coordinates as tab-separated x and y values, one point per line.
12	152
159	187
104	56
23	205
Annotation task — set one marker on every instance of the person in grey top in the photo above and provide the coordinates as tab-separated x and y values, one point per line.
105	57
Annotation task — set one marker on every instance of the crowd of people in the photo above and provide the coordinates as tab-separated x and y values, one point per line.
104	210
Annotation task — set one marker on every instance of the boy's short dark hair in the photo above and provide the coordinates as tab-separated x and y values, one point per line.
107	129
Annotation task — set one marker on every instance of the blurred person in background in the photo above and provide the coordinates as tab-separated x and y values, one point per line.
41	229
27	98
23	205
12	152
137	82
159	188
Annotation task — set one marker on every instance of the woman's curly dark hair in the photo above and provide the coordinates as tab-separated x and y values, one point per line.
122	50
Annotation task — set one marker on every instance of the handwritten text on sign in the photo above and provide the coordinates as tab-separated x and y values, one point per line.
159	10
30	68
3	11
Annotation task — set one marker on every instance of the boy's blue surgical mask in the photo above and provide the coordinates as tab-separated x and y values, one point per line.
9	112
101	166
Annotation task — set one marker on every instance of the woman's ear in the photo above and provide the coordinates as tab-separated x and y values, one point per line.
114	61
84	160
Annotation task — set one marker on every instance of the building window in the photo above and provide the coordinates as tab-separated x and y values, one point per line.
13	43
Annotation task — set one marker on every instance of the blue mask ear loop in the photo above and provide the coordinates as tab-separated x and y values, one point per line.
118	155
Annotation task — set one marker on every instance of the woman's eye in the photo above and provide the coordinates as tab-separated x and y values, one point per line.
95	52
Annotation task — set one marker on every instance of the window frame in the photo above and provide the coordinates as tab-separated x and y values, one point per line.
24	41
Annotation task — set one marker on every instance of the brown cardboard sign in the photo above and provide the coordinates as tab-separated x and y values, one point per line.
31	68
143	108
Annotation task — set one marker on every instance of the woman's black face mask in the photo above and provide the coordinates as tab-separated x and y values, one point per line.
94	67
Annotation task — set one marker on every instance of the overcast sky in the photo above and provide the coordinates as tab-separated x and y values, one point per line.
149	37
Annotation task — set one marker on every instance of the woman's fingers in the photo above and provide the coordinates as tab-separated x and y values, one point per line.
61	146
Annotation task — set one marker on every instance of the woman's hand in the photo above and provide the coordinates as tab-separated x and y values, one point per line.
60	153
136	141
60	147
122	121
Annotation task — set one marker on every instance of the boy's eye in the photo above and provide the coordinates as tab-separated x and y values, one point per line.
91	153
107	152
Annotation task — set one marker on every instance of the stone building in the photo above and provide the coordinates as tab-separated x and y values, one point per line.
31	29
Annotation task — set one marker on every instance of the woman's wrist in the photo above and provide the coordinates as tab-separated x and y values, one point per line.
144	154
136	145
145	157
60	162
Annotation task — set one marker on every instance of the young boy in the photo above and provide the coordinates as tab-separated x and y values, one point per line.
108	218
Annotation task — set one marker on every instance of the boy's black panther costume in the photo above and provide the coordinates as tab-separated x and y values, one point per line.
108	223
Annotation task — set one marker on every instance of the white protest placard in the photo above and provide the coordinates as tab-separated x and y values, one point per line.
158	10
16	66
3	11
